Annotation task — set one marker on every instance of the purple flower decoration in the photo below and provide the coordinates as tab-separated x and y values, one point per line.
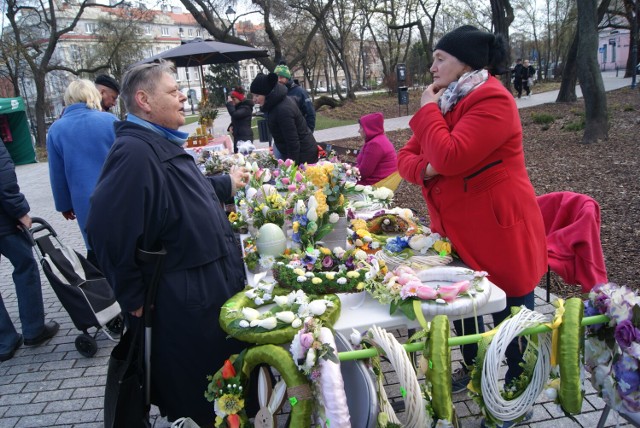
626	334
349	263
327	262
628	380
296	237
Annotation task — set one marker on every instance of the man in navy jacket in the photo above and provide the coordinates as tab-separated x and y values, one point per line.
14	246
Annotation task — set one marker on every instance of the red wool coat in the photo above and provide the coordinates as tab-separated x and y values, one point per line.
482	200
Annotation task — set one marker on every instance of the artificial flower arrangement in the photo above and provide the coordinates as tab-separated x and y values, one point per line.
263	204
254	261
238	222
333	178
403	288
226	391
612	350
289	310
312	221
323	270
367	197
313	350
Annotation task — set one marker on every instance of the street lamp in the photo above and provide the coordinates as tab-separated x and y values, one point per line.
231	14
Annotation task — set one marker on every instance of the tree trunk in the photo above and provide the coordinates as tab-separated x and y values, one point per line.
567	91
501	17
595	100
41	125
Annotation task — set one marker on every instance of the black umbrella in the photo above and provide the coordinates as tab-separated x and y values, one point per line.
201	52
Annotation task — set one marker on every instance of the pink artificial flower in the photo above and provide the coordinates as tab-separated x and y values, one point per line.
291	187
275	172
404	278
409	289
425	292
280	162
464	286
288	163
299	176
404	269
259	173
286	181
302	187
306	340
448	293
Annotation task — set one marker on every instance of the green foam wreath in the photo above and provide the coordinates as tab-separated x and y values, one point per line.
231	316
571	345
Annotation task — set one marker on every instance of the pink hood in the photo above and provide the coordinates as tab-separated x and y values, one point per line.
372	124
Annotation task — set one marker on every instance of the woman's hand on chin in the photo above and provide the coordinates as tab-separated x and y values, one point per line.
431	95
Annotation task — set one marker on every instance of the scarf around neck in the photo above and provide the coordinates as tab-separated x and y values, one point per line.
461	88
176	137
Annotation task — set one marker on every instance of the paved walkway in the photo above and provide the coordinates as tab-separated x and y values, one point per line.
609	78
53	385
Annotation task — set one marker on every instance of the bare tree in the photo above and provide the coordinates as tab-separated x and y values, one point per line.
37	27
567	92
595	100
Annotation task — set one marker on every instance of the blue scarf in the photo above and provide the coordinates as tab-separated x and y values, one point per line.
176	137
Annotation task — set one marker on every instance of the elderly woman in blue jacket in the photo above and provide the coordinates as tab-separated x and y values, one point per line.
77	145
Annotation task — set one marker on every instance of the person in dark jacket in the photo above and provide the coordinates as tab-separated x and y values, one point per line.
300	96
517	76
290	132
151	194
241	110
14	245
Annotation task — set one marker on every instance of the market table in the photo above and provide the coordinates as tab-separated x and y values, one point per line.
360	310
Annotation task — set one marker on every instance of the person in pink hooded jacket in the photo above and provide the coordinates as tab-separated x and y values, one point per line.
377	160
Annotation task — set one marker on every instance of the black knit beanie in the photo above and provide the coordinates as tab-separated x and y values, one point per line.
263	83
470	45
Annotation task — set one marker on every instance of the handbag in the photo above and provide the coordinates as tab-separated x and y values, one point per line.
124	399
530	81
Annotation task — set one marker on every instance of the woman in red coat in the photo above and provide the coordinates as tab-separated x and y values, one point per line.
466	154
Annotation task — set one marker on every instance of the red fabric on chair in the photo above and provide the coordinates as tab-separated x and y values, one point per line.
572	225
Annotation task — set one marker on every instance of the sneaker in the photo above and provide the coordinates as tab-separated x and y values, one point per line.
460	378
509	424
50	330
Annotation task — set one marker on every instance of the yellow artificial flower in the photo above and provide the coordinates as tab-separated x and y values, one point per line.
231	403
358	223
233	216
353	274
360	286
295	226
325	251
442	246
330	275
219	421
362	233
316	280
321	198
341	200
299	272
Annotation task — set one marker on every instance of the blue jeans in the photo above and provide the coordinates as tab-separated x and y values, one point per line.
26	278
513	354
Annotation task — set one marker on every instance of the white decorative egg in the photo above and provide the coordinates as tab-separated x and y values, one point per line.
271	240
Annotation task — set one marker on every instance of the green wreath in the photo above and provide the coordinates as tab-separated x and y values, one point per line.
328	281
231	315
438	375
571	340
298	389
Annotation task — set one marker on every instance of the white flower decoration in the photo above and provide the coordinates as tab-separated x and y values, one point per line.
333	218
286	316
250	314
317	307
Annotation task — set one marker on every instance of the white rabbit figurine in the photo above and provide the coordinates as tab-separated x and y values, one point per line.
270	400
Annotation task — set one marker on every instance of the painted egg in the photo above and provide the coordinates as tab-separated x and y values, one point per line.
271	240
